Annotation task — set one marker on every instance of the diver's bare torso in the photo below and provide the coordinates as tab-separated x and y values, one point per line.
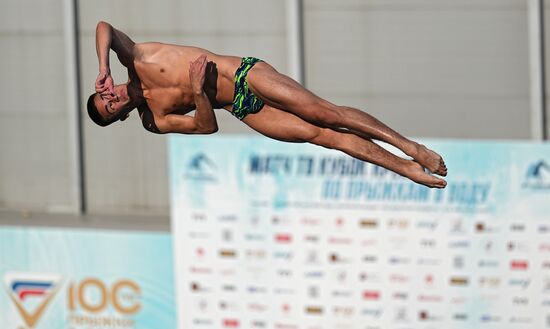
163	72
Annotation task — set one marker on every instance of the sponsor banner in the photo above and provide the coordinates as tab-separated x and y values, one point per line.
55	279
308	237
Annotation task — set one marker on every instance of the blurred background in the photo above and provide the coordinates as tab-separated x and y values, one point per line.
469	69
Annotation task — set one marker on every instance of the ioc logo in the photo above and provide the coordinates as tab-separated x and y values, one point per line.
94	296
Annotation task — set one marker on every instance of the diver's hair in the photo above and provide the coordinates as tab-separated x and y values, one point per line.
94	114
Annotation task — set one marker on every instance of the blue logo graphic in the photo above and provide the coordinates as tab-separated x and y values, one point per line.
201	167
538	176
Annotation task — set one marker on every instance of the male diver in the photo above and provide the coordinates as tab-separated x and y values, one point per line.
166	82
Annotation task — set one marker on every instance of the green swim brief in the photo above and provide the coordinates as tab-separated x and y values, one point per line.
244	101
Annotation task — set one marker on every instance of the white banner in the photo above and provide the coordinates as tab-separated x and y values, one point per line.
278	235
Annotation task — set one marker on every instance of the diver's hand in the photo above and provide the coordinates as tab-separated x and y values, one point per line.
104	85
197	70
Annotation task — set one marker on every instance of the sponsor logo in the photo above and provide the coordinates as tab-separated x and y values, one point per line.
394	260
401	315
487	245
484	228
517	246
521	283
197	287
520	301
374	313
344	311
228	253
429	225
457	227
311	222
399	278
337	259
227	271
398	224
258	324
314	310
521	319
459	300
429	280
314	274
203	322
488	263
373	259
284	273
92	301
228	306
537	176
459	281
428	261
257	307
517	227
428	243
198	235
398	242
459	244
370	242
276	220
254	237
284	291
519	265
371	295
399	295
543	228
228	218
312	257
339	240
200	270
429	298
545	265
342	293
256	290
311	238
283	255
197	217
489	282
31	293
229	288
546	284
283	238
230	323
427	316
369	277
255	254
460	317
489	318
285	326
313	291
227	235
339	222
368	223
458	262
201	167
341	276
544	247
545	303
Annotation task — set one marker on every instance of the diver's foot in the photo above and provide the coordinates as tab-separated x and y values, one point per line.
430	160
416	173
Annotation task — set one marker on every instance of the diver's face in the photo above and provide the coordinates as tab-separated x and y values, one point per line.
111	108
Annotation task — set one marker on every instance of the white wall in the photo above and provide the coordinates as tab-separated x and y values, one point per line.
436	68
34	148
